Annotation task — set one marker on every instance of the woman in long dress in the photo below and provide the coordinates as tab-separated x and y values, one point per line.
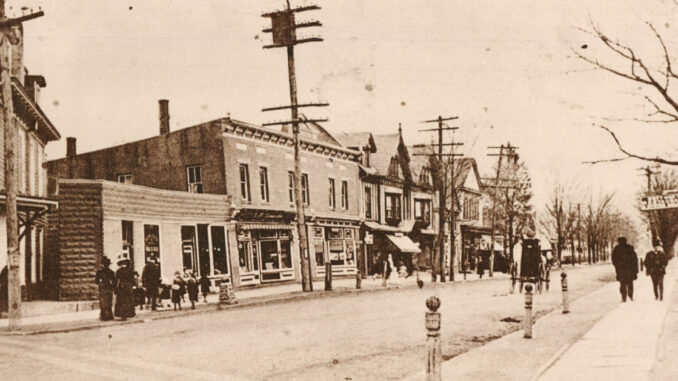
105	278
124	289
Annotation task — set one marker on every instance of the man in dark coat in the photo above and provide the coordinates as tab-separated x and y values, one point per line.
105	278
655	266
124	288
625	262
150	279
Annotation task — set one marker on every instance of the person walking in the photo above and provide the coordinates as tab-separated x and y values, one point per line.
178	290
150	279
124	288
205	286
481	266
193	289
655	267
625	263
105	278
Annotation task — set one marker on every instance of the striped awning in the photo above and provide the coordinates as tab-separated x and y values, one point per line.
261	226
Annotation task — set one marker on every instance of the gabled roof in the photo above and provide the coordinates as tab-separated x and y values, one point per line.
387	148
464	167
357	140
313	131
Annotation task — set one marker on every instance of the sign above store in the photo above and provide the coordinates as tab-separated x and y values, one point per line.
667	200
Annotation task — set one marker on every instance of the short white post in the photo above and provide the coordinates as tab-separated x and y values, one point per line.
566	301
434	350
528	311
383	282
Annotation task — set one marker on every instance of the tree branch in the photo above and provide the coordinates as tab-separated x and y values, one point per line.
635	156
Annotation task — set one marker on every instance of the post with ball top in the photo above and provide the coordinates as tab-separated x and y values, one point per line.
434	349
528	311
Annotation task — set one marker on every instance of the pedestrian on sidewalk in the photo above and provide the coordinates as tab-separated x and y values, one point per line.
178	290
193	289
139	293
481	266
205	286
150	278
124	288
105	278
625	263
655	267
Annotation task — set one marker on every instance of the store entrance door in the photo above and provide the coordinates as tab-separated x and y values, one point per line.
203	250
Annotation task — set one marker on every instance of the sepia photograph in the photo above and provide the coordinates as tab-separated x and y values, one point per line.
339	190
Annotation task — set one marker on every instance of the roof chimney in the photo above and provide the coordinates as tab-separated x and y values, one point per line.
164	117
70	147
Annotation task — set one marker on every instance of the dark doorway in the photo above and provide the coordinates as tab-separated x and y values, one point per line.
203	249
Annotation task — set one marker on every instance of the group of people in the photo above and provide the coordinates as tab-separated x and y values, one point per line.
625	261
130	291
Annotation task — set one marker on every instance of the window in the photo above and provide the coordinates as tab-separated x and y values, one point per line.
290	185
393	206
407	204
128	239
31	170
194	177
422	211
151	242
275	251
188	250
219	259
344	194
245	182
21	160
263	183
304	189
368	202
127	179
471	209
332	198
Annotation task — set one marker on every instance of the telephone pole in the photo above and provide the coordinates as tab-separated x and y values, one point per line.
12	33
649	171
283	28
441	174
510	152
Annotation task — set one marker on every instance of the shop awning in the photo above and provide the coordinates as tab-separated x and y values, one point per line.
427	231
404	244
404	227
255	226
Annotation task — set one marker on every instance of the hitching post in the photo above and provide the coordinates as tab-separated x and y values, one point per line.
566	301
528	311
383	282
358	279
435	354
328	276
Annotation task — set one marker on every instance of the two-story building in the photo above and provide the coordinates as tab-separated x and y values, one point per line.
33	132
254	166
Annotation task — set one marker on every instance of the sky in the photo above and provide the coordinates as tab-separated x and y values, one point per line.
505	68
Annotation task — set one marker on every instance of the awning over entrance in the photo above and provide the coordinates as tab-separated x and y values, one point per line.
404	227
404	244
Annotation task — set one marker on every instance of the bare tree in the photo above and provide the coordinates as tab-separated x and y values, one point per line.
596	226
656	78
554	222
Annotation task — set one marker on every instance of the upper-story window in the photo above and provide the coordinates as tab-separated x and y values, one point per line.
194	178
305	196
392	205
263	183
471	207
290	185
422	211
368	203
332	194
21	155
126	178
344	194
245	182
425	176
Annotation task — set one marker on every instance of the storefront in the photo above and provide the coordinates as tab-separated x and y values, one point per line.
335	242
389	240
472	251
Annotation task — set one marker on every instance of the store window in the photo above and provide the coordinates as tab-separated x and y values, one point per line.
341	246
188	247
304	189
128	239
344	194
245	182
247	261
263	183
290	185
275	250
368	203
151	242
125	178
194	178
219	258
332	193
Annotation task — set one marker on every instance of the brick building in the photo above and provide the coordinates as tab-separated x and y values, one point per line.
34	132
253	165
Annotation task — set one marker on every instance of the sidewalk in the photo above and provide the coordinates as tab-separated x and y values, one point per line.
61	322
600	339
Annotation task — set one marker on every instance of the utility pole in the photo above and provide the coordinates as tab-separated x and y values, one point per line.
511	152
12	33
283	28
649	171
441	175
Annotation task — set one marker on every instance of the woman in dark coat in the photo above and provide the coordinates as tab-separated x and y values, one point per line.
105	278
193	290
124	289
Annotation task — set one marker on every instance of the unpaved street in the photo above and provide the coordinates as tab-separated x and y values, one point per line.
376	336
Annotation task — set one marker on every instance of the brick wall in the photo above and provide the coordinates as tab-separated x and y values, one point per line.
80	243
158	162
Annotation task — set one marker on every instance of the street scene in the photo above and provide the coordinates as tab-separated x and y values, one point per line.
317	190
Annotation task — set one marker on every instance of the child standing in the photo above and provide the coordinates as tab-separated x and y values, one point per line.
178	290
193	289
204	286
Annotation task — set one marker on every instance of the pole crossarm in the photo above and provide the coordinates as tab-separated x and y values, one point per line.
296	42
293	106
440	129
440	120
295	121
435	145
7	22
292	10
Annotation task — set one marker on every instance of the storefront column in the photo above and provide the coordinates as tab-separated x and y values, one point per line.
311	252
233	254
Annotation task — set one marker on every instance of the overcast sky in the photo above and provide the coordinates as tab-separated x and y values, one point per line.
504	67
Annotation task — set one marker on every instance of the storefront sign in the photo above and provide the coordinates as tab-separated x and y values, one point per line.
151	241
658	202
336	245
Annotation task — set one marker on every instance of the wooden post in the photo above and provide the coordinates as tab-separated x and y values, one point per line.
566	301
383	281
528	311
358	279
434	357
328	276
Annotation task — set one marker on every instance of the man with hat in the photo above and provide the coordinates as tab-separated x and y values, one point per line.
625	263
655	266
105	278
124	288
150	279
